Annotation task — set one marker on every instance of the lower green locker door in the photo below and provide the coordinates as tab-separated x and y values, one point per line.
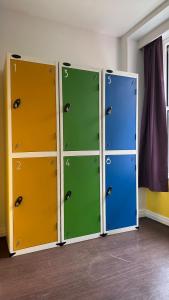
81	196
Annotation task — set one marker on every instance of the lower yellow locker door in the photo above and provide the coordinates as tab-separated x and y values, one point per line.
34	201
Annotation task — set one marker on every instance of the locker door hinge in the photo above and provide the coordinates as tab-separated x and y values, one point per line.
135	136
135	167
98	87
99	169
135	91
99	218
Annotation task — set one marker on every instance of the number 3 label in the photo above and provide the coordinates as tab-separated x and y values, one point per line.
66	73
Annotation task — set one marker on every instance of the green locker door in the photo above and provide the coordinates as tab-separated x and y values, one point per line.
80	89
81	196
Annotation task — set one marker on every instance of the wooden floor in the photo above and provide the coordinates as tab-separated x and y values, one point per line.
128	266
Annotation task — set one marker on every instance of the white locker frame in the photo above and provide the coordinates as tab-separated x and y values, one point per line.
118	152
79	153
12	155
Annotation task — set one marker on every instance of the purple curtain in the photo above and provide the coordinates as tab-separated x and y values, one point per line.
153	160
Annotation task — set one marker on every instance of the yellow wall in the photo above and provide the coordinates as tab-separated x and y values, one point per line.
158	203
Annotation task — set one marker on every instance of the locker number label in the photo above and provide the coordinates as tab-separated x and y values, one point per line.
109	79
67	163
18	165
66	74
108	161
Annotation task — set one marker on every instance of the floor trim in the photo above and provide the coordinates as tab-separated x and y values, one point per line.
156	217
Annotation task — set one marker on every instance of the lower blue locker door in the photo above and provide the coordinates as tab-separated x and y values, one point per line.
120	191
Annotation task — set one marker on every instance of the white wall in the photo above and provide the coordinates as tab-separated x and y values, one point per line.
49	41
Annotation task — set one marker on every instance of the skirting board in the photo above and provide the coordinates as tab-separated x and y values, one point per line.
156	217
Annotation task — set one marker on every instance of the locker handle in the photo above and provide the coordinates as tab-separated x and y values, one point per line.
68	195
18	201
109	191
67	107
16	103
109	110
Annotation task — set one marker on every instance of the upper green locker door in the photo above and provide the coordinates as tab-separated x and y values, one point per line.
80	92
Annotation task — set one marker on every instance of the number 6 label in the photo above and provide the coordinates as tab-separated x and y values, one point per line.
108	161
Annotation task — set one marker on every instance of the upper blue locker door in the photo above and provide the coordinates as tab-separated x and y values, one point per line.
120	110
120	191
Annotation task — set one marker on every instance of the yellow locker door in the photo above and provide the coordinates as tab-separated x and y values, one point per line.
33	94
34	201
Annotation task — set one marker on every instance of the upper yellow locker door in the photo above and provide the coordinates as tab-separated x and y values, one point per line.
34	201
33	94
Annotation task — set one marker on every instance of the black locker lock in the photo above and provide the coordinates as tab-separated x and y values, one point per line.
18	201
16	103
68	195
109	110
109	191
67	107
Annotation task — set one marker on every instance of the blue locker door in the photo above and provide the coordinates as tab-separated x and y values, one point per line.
120	191
120	110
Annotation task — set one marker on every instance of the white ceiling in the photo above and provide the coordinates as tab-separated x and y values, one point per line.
113	17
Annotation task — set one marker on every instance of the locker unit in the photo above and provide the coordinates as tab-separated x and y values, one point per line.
71	166
32	155
81	166
120	184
